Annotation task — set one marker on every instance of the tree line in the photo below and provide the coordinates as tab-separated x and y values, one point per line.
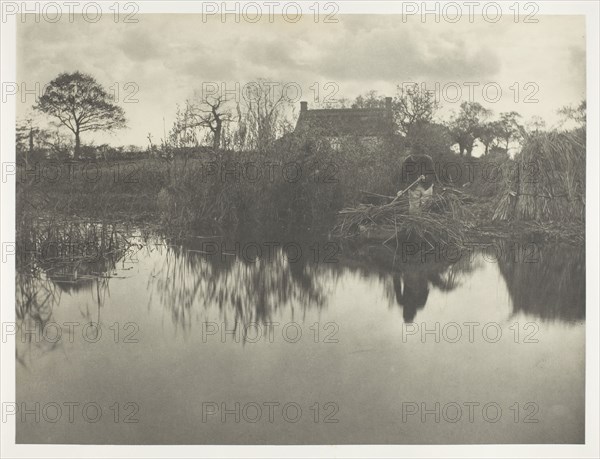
416	118
77	102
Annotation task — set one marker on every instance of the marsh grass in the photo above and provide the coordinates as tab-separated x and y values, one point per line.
298	182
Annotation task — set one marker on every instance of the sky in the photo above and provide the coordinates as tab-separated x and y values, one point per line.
164	59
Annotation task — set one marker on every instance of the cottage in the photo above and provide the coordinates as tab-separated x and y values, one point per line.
370	127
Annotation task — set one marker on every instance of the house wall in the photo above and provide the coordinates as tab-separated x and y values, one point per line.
371	143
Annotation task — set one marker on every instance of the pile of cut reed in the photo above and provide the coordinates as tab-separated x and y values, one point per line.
444	218
550	184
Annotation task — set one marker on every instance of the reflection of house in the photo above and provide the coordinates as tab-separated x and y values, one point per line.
370	127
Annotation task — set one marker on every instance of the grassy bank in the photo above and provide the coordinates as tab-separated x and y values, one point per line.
295	184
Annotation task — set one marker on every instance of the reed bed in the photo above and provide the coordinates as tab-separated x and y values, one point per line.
70	251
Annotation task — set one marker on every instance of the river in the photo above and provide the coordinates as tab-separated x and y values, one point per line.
300	341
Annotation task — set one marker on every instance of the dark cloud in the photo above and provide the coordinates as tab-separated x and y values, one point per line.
272	53
398	54
139	45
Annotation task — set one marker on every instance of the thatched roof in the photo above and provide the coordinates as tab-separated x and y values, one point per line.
357	122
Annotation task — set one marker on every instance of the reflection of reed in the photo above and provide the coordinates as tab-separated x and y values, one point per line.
72	254
546	282
55	257
244	292
35	298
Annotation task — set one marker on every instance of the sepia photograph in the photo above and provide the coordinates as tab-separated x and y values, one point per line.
368	227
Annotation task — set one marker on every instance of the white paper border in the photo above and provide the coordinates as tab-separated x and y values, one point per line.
8	447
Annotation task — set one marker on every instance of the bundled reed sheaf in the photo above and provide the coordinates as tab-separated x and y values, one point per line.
444	218
549	181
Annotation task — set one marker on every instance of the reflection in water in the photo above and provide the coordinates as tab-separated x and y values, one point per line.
187	279
366	291
412	291
411	278
246	290
288	281
411	285
62	257
36	299
548	282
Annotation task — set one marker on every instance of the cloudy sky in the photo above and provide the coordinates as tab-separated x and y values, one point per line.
169	57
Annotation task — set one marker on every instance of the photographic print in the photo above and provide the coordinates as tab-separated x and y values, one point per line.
299	223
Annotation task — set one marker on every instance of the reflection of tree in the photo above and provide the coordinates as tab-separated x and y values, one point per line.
547	282
189	281
245	290
411	277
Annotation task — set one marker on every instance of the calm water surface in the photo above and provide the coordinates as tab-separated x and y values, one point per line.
198	347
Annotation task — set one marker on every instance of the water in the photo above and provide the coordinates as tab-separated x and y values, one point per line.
346	334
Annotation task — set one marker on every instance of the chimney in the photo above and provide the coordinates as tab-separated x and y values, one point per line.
303	106
388	104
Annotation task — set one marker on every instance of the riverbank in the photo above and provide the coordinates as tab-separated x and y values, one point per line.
473	224
304	184
451	218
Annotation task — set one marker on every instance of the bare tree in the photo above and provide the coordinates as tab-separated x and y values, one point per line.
342	102
239	136
185	130
213	114
265	116
25	134
369	100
